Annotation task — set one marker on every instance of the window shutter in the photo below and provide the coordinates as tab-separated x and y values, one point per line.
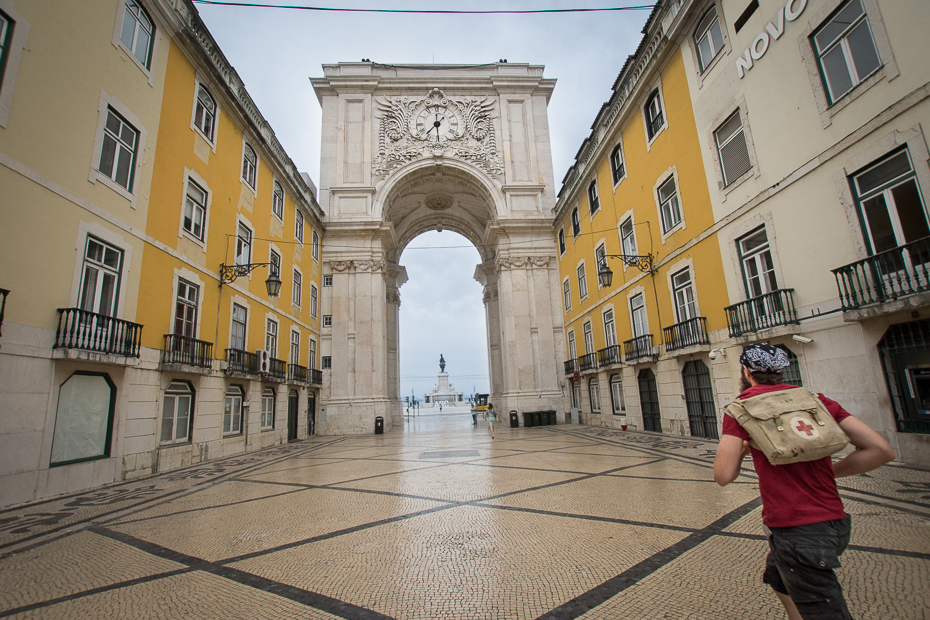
734	154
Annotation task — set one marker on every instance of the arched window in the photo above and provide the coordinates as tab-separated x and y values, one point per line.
249	166
593	395
617	168
616	395
205	113
654	117
138	32
699	397
594	200
177	412
84	421
708	38
649	401
792	374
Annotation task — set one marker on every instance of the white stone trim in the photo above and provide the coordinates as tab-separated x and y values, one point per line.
14	55
191	175
106	102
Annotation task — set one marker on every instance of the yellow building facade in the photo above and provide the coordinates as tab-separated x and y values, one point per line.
640	267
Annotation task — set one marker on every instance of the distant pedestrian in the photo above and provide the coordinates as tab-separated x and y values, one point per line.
491	417
474	415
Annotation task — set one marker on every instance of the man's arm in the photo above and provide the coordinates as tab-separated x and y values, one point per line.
871	452
729	460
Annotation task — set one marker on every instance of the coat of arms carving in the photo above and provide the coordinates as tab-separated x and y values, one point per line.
411	129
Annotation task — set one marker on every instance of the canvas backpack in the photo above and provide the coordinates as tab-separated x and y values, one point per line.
788	426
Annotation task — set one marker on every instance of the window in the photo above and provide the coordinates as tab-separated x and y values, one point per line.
699	399
649	401
732	149
327	280
617	169
243	245
654	117
327	320
271	338
232	411
567	293
616	395
600	258
315	245
708	38
588	337
326	362
572	352
277	204
313	299
638	312
792	374
890	203
84	420
627	240
195	209
275	259
176	412
267	416
295	348
237	334
295	299
683	292
582	283
205	113
576	223
118	154
669	209
311	362
610	329
249	166
845	50
561	241
137	33
6	41
101	278
185	313
594	201
592	394
758	268
299	226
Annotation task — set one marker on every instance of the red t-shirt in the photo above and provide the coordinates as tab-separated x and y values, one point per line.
796	493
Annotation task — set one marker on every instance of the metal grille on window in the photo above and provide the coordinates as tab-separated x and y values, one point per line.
699	398
731	144
905	354
791	374
649	401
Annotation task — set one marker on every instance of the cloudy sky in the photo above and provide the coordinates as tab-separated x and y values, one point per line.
276	51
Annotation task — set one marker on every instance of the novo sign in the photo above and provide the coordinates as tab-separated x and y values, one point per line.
773	30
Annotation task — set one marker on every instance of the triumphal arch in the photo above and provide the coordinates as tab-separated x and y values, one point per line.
407	149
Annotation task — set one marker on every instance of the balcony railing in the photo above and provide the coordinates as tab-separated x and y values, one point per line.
685	334
637	348
587	362
297	373
316	377
183	350
277	369
571	366
89	331
241	361
655	125
762	312
609	355
887	276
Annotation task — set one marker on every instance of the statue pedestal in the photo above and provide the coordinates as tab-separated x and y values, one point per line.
443	391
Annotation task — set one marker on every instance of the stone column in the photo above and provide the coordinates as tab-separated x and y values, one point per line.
394	277
486	275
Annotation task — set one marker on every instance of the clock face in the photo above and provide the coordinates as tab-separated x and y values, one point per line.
436	124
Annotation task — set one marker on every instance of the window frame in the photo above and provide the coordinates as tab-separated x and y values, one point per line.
274	257
582	281
610	327
699	34
297	288
587	332
614	396
567	293
204	207
118	42
328	280
294	352
266	416
311	353
617	168
561	241
17	37
244	325
108	435
719	147
664	181
623	238
185	303
277	200
327	320
635	295
841	42
314	299
232	394
594	198
209	136
243	243
572	346
314	245
743	256
183	388
684	287
249	169
271	337
653	129
101	267
576	223
593	396
299	227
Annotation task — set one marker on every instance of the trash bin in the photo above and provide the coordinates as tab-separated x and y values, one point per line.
527	419
379	425
514	420
551	415
535	416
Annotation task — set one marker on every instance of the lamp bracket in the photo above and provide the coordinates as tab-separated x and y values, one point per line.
643	263
229	273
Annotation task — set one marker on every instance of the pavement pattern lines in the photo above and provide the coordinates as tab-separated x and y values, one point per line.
439	521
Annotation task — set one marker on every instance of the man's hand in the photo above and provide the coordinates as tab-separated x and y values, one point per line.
730	453
871	452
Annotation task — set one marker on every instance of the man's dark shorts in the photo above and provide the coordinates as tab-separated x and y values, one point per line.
800	564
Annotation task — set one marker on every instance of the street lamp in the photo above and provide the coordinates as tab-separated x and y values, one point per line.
605	275
228	273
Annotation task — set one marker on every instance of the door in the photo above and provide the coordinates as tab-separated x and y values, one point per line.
292	415
311	414
699	398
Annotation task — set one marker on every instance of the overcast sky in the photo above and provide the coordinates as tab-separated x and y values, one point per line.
277	51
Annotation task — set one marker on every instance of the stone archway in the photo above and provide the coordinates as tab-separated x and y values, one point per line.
411	149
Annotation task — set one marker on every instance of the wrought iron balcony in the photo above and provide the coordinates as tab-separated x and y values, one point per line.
89	331
637	348
609	356
887	276
316	377
183	350
587	362
241	361
762	312
571	366
297	374
656	124
685	334
277	369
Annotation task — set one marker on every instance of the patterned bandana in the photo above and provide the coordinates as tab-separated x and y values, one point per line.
764	357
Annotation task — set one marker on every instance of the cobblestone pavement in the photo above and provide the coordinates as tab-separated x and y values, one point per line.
440	522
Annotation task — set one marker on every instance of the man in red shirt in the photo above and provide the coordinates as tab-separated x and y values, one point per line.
802	512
